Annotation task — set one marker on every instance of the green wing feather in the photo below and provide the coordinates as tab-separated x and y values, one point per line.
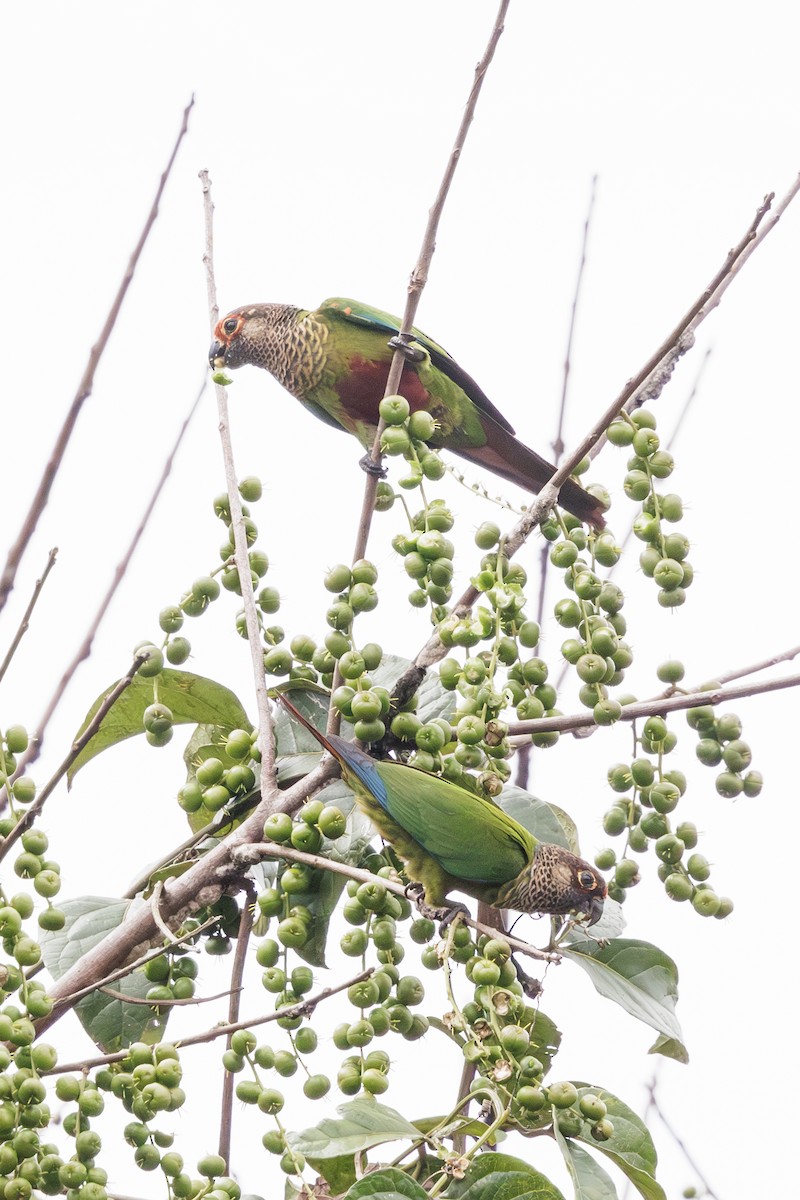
470	838
368	317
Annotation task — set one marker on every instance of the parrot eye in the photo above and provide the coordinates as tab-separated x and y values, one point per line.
586	879
230	324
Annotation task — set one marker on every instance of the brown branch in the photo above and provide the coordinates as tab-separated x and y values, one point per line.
523	758
86	384
417	281
248	854
655	373
129	967
182	895
234	1007
302	1008
266	734
173	1003
658	705
628	536
30	815
654	1104
26	616
85	649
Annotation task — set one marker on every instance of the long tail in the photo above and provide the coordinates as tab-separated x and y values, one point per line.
507	456
312	729
359	770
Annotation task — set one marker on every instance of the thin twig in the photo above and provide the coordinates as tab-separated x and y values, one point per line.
523	758
248	854
72	998
86	384
653	1102
302	1008
417	281
658	705
85	648
654	373
234	1007
142	1001
763	665
266	734
693	391
26	616
30	815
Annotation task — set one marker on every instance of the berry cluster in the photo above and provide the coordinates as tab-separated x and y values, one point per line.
664	558
721	743
407	434
650	793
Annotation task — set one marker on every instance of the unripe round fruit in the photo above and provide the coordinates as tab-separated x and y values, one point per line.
394	410
678	887
706	903
278	827
562	1094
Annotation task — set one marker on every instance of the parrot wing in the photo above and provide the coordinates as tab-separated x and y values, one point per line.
471	838
375	319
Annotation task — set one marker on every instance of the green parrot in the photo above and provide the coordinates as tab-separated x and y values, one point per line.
449	838
335	360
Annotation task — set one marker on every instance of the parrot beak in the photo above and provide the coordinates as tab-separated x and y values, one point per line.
595	909
216	356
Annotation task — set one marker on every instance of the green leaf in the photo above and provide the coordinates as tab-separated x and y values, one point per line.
495	1176
363	1123
547	822
192	699
388	1184
639	977
630	1147
589	1179
670	1048
110	1023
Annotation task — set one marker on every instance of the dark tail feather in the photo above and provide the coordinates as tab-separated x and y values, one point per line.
304	721
504	455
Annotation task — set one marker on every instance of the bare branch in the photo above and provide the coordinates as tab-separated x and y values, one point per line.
266	736
658	705
85	648
234	1005
302	1008
417	281
26	616
523	759
654	375
248	854
86	384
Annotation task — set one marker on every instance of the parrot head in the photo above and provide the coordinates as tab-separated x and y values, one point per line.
558	882
254	334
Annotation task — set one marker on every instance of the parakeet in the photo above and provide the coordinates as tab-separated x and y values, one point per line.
335	360
451	839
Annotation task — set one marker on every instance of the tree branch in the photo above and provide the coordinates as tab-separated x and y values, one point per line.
86	384
22	629
266	735
658	705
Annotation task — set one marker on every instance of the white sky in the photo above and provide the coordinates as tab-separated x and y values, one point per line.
326	128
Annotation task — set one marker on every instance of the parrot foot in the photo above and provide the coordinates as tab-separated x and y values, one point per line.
445	913
410	353
372	468
531	986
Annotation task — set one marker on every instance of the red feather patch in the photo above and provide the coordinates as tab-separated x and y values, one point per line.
362	390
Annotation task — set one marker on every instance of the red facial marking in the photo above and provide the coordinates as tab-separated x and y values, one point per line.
226	336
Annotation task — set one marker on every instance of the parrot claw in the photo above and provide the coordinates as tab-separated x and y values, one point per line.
445	914
372	468
531	986
411	353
